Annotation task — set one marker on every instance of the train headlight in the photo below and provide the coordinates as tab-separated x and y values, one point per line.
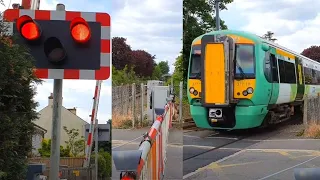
250	90
245	93
191	90
195	92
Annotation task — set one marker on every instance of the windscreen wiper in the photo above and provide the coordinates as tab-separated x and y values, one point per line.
243	75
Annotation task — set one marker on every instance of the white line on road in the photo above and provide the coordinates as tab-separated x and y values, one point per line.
255	140
253	149
288	168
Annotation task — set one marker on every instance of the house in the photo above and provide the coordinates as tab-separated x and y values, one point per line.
37	138
69	119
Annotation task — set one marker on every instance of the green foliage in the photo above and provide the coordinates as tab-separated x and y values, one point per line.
124	76
198	18
74	143
164	67
45	149
17	107
269	36
156	72
104	163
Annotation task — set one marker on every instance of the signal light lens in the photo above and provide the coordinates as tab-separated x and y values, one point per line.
80	30
28	28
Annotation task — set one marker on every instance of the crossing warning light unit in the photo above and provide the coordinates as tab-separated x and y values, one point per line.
64	44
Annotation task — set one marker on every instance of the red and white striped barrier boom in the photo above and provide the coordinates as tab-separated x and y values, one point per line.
148	162
92	124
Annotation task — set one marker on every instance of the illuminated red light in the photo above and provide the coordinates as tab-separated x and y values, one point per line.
28	28
80	30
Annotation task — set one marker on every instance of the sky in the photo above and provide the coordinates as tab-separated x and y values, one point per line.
156	29
296	23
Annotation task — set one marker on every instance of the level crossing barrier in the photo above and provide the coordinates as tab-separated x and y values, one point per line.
149	161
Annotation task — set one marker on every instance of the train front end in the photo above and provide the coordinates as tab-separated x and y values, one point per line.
222	82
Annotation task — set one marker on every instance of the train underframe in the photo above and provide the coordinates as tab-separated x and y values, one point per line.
243	117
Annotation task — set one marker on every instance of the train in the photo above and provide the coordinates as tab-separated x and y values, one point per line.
239	80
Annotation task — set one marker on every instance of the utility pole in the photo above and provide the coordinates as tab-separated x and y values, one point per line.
56	122
217	16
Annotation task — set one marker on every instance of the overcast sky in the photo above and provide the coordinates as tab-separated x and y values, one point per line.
296	23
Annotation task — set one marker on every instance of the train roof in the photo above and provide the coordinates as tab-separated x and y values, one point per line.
259	39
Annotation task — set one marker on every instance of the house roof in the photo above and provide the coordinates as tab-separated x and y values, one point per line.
68	112
39	127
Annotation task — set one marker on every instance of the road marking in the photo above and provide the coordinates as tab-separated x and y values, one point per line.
283	151
287	168
121	143
221	160
254	140
210	147
217	166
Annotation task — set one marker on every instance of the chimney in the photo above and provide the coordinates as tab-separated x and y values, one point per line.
50	98
15	5
73	110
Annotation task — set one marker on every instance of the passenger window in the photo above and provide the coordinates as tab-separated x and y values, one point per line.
267	67
274	66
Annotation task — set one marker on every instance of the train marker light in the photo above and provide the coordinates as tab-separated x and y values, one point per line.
245	93
195	92
28	28
191	90
250	90
80	30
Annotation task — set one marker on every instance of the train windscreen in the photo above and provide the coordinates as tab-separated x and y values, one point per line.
244	61
195	64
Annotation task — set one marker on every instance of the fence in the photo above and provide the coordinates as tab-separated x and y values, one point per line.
125	107
65	161
311	110
148	162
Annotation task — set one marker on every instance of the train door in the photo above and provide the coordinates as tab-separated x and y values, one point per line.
300	79
274	77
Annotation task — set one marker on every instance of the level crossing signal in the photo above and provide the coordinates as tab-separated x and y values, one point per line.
64	44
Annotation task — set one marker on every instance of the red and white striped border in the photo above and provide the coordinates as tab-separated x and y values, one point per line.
105	20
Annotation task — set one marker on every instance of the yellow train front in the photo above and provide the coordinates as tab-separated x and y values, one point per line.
225	89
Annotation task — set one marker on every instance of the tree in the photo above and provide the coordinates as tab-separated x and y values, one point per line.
198	18
121	53
104	163
164	67
156	74
313	52
45	149
143	63
17	106
269	36
74	143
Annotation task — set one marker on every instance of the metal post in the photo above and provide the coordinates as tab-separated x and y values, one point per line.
142	105
133	104
56	124
217	16
171	90
180	101
305	111
96	148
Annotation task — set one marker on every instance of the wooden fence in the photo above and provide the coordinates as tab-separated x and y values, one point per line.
71	162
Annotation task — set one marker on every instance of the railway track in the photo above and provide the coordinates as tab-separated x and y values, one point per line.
242	135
